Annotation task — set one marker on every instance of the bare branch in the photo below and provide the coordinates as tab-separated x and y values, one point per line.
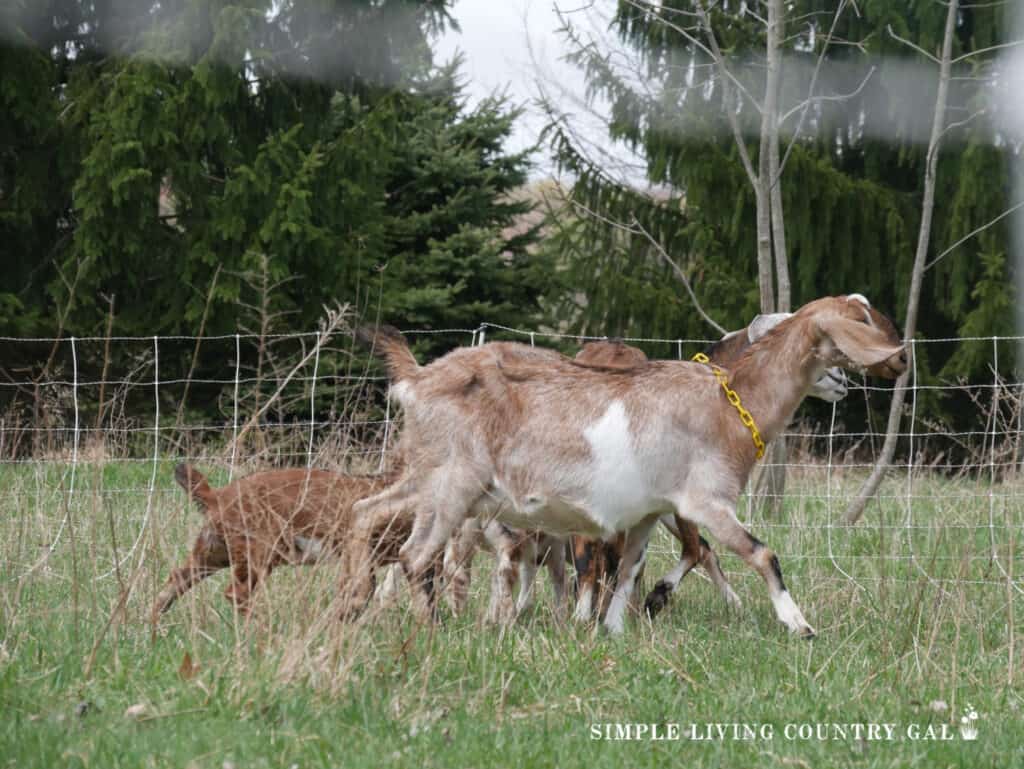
972	233
679	274
711	50
333	319
635	228
870	487
906	42
1001	46
810	89
838	97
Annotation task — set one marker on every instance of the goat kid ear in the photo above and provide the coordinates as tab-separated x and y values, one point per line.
762	324
859	342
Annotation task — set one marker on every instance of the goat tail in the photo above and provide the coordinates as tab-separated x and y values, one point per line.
388	344
195	485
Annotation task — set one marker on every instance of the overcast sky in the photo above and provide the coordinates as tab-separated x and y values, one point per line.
515	46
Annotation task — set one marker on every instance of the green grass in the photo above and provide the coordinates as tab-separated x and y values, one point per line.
295	687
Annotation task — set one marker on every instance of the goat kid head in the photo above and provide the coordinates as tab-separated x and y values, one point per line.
852	334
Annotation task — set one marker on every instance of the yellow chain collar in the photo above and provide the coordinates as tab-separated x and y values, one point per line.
734	398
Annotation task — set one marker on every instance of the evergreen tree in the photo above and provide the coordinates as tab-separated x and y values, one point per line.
155	146
851	198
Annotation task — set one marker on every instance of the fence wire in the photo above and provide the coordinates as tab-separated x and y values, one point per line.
79	439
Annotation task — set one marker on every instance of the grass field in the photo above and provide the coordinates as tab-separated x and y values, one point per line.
293	687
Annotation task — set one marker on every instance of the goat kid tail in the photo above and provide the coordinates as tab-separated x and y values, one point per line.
195	485
388	344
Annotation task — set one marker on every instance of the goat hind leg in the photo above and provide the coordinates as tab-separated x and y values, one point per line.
588	560
421	554
458	564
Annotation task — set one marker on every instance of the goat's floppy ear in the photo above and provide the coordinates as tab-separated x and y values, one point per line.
762	324
857	341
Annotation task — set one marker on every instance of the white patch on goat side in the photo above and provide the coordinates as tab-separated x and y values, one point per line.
619	493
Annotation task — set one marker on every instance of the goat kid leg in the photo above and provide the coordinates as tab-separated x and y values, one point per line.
527	556
422	605
504	543
724	527
588	558
356	581
209	555
245	581
180	582
387	591
633	557
657	599
458	564
707	559
501	607
555	562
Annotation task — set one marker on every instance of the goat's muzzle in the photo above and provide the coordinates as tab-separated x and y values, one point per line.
891	367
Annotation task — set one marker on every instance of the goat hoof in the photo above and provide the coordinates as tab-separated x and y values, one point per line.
657	599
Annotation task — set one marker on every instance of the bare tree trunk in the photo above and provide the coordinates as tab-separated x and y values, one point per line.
764	242
770	486
870	487
769	138
784	302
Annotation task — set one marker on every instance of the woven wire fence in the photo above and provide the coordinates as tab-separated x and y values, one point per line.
105	421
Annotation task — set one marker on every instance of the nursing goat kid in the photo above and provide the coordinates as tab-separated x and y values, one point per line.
571	449
517	554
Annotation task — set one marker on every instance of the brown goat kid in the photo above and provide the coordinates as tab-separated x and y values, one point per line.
275	518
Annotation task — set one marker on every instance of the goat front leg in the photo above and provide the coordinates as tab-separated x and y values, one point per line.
721	521
246	579
504	544
633	558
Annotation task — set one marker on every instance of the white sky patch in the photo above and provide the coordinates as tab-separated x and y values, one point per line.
515	47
